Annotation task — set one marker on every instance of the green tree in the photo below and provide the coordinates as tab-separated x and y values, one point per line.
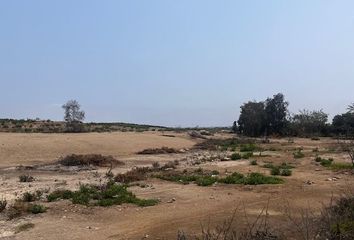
234	127
344	124
252	119
309	123
276	111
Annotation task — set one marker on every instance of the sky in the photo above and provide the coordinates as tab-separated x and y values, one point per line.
173	63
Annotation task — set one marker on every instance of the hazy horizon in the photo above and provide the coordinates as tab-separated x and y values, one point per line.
173	63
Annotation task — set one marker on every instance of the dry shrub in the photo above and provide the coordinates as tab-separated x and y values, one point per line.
337	219
162	150
259	229
26	178
336	222
170	165
3	204
196	134
134	175
141	173
24	227
89	159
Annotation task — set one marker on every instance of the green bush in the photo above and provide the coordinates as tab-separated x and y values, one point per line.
108	195
251	179
258	178
205	181
285	166
341	166
236	156
298	154
145	202
235	178
59	194
250	147
247	155
324	162
37	208
268	165
253	162
286	172
275	171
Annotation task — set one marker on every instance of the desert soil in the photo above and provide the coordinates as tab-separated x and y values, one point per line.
309	187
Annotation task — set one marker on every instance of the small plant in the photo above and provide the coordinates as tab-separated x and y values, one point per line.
236	156
248	147
59	194
37	208
29	197
155	165
215	172
268	165
285	165
253	162
298	154
26	178
206	181
324	162
107	195
275	171
247	155
24	227
341	166
109	174
3	204
286	172
258	178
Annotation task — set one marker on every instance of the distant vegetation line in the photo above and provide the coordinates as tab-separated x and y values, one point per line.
49	126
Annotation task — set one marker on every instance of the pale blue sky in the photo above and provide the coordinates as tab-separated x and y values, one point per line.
175	63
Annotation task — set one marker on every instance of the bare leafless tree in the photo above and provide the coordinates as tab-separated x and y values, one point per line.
73	116
351	108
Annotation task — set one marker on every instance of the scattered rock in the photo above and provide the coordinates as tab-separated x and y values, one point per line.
171	200
309	182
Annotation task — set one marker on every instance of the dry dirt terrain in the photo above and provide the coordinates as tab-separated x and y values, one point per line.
181	207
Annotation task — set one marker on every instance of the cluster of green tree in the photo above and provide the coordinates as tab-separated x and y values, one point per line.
271	117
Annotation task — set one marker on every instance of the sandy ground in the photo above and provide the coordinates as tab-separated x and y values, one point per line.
194	205
34	148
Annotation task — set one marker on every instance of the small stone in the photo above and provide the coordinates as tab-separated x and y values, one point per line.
171	200
308	182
